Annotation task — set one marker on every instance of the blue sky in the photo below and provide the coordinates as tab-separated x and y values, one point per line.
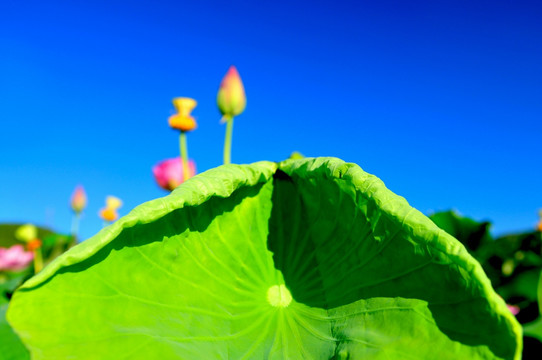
441	100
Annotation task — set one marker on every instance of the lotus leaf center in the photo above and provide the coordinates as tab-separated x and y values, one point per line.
279	296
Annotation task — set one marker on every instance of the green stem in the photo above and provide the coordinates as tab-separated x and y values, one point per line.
75	227
184	155
227	140
38	260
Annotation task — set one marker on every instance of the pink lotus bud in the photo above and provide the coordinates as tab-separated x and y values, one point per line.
231	99
15	258
79	199
169	173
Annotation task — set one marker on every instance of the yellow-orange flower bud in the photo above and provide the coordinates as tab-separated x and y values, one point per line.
183	123
33	245
183	120
231	98
113	202
184	105
109	213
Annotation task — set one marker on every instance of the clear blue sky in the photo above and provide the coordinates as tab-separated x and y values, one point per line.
440	99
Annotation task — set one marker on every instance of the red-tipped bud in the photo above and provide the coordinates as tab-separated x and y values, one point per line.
231	99
79	200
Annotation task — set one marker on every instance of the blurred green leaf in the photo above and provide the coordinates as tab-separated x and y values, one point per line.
473	234
507	246
524	284
514	255
9	284
54	245
534	329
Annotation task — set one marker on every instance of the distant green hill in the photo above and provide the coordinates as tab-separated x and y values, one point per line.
7	234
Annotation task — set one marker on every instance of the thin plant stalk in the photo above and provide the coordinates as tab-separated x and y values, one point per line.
227	140
184	155
38	260
75	227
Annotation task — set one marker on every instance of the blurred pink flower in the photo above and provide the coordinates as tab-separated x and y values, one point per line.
514	309
14	258
169	173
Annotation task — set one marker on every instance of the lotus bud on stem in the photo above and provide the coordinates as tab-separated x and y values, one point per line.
231	101
78	203
184	122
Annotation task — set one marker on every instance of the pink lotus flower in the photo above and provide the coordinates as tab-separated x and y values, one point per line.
514	309
169	173
15	258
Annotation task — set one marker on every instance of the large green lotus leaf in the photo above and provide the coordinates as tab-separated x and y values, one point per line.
305	259
11	347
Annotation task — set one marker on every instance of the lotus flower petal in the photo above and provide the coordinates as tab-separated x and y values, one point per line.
15	258
169	173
